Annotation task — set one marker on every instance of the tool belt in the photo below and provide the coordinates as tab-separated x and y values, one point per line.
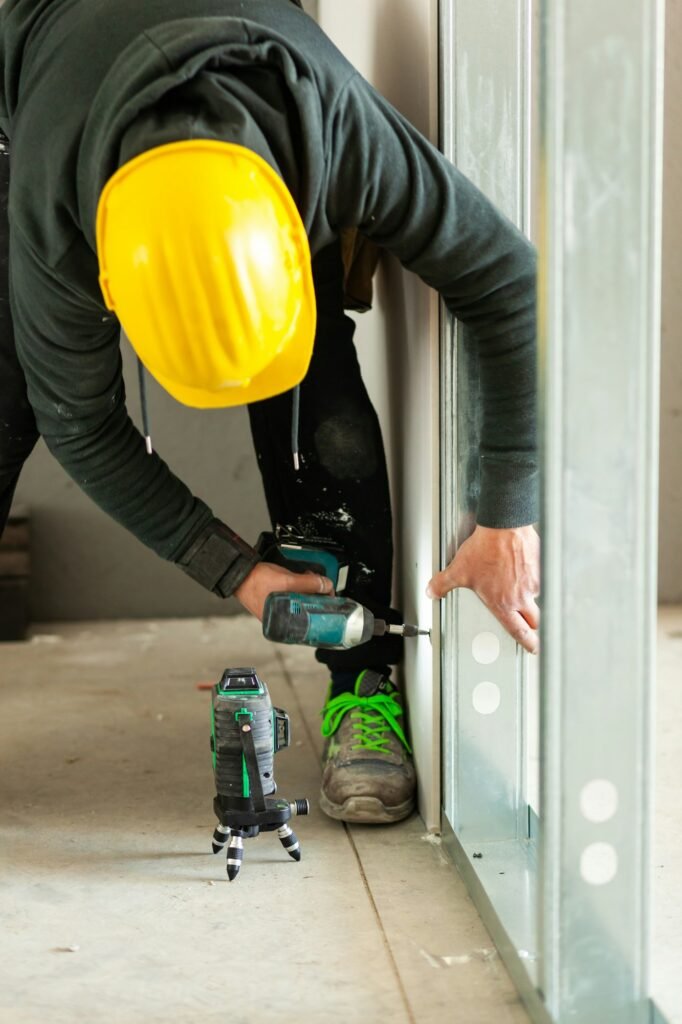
360	258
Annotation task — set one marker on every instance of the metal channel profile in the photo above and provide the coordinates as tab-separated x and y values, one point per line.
601	135
600	219
485	89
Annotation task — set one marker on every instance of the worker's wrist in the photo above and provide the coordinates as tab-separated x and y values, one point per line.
509	495
219	559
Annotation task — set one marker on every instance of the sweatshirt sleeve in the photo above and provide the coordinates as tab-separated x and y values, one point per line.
389	181
70	352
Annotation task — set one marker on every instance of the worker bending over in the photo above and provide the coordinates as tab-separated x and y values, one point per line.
186	171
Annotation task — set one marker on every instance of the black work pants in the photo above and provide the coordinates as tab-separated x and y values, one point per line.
341	490
18	432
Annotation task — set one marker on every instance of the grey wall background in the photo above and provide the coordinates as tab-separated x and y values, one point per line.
85	566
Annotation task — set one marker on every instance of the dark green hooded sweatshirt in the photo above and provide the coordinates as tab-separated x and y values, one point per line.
85	85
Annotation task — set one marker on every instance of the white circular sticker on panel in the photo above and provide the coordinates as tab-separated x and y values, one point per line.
486	698
599	863
599	800
485	648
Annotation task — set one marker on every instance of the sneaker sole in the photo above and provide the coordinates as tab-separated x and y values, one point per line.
366	810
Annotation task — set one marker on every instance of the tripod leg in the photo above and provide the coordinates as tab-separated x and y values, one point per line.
220	837
289	841
235	855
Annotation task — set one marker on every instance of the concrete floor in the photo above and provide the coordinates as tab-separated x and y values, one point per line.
113	911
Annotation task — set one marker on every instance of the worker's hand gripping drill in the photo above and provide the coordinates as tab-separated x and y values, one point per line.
266	578
303	615
296	600
311	566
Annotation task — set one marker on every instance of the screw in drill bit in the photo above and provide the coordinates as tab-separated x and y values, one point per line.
404	629
408	630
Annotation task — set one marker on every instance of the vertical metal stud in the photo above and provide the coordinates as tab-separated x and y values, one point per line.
485	61
599	330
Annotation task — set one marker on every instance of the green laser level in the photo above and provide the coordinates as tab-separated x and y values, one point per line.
246	733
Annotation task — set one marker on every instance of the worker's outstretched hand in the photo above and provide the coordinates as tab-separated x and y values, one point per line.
503	568
266	578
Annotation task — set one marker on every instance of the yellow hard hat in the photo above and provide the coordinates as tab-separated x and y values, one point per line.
204	259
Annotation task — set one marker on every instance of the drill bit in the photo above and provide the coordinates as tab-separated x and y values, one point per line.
408	630
381	628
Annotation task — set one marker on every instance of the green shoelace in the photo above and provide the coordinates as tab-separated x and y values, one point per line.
374	718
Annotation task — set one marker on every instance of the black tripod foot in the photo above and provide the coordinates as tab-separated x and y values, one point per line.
235	855
289	841
220	837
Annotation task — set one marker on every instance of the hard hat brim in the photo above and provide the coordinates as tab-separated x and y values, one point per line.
285	372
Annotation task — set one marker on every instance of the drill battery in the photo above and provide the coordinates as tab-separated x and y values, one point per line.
300	554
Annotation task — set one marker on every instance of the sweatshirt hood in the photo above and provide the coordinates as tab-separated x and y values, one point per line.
170	86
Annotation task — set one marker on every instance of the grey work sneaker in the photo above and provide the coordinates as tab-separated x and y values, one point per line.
367	770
